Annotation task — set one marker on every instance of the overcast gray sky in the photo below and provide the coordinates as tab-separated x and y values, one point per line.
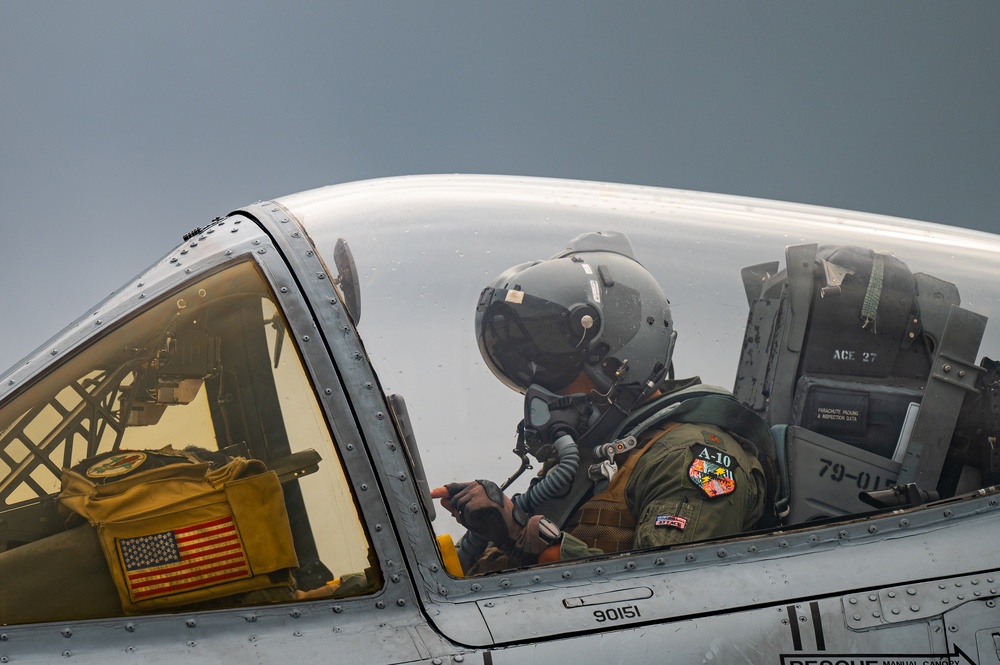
127	123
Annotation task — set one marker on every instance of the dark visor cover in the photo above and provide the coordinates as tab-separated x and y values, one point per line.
526	340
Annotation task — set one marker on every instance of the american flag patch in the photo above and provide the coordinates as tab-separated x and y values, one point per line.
674	521
184	559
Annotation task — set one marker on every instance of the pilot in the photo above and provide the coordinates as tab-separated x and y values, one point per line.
631	458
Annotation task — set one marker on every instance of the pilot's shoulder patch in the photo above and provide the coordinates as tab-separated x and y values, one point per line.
712	469
674	521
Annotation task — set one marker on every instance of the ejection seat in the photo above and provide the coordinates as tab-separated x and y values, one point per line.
861	368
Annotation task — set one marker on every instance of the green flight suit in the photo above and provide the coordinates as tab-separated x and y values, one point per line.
694	482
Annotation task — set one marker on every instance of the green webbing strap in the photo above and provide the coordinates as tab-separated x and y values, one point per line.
869	308
717	409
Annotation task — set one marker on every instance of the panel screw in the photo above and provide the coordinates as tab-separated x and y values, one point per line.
66	632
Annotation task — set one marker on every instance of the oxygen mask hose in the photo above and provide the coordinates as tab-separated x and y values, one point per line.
557	481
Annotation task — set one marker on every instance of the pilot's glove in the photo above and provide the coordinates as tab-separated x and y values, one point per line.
483	508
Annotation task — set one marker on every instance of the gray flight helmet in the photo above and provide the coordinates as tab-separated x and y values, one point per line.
591	309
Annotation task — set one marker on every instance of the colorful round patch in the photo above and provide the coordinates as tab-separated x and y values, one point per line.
117	465
715	480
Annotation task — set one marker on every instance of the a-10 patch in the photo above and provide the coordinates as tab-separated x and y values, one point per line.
712	469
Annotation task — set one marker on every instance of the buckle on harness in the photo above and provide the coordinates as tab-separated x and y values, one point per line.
607	468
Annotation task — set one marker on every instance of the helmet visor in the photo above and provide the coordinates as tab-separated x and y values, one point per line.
526	340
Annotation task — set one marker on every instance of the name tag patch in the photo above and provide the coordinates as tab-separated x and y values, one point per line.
674	521
712	469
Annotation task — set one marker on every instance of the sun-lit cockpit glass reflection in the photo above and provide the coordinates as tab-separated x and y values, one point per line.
181	460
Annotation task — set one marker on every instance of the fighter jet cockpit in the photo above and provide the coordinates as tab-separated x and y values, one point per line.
289	406
860	341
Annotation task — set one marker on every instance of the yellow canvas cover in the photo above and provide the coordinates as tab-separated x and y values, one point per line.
182	532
